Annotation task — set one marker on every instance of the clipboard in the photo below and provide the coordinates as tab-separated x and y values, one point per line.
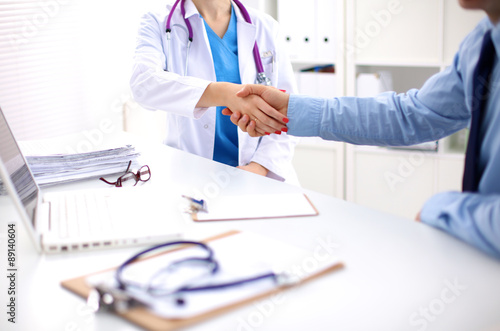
255	206
146	319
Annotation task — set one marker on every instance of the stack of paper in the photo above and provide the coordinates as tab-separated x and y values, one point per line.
61	168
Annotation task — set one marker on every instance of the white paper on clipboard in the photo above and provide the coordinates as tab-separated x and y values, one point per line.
256	206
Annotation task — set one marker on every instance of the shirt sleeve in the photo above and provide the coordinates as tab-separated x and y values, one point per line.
472	217
389	119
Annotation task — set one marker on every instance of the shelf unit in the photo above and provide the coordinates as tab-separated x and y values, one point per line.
412	40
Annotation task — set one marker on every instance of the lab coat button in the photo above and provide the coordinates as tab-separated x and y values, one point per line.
206	126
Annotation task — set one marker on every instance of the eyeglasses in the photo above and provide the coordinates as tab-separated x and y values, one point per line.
130	178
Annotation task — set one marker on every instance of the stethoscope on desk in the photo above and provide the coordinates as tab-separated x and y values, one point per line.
261	76
126	294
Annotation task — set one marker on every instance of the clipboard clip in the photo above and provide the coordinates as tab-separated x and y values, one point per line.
287	279
196	206
112	299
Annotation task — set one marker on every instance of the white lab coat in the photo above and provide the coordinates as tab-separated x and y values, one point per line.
193	129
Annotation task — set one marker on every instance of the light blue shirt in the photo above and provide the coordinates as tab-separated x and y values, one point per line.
225	57
441	107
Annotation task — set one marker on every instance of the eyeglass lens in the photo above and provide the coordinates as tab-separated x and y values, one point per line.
130	178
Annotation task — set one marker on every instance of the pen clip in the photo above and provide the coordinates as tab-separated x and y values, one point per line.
195	205
107	298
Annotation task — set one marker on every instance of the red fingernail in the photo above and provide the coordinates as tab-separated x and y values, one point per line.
284	129
277	132
267	133
286	120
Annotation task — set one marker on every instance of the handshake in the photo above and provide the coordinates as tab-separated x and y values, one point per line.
261	110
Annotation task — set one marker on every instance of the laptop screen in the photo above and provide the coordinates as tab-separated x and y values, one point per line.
17	169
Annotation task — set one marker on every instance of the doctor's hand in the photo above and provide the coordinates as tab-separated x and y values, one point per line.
251	105
274	97
255	168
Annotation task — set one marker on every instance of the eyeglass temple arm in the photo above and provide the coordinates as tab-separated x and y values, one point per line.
128	167
104	180
114	183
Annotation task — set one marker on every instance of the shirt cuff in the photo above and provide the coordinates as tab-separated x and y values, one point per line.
305	115
432	212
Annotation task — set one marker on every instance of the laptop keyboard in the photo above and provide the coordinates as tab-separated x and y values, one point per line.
80	215
101	218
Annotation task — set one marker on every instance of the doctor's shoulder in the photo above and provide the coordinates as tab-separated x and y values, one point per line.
156	18
262	19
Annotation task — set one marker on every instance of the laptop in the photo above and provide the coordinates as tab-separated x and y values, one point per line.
84	219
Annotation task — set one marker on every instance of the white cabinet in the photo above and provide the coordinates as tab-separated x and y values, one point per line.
310	29
395	31
400	181
320	166
410	40
389	181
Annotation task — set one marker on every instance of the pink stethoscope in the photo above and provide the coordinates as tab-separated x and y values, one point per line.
261	75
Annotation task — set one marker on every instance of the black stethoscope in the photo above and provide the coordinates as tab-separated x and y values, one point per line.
261	75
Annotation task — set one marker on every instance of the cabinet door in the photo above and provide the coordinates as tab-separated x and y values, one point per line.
392	181
397	31
326	13
318	84
292	21
320	166
450	173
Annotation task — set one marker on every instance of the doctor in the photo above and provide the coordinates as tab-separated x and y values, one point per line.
190	61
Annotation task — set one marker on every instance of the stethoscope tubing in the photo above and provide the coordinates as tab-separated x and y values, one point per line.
124	285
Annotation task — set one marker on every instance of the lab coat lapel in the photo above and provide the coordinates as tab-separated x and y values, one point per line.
246	33
190	9
200	64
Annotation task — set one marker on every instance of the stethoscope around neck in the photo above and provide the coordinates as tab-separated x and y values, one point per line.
261	76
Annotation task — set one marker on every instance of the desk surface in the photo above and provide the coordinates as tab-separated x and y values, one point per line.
398	275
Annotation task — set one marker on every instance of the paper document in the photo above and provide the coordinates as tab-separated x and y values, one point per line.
55	169
51	164
256	206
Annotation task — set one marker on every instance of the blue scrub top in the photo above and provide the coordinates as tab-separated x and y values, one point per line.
225	57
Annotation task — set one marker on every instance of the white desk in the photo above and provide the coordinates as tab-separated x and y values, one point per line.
398	275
